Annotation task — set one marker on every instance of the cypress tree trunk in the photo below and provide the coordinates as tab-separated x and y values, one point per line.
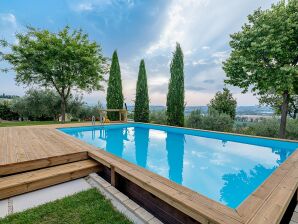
175	97
114	93
141	111
284	113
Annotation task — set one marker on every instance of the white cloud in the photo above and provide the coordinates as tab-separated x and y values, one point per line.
8	18
91	5
199	62
220	56
205	47
84	7
180	17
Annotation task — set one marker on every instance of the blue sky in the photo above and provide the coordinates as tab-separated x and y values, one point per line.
143	29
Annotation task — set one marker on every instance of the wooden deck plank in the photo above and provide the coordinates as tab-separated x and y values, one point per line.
33	180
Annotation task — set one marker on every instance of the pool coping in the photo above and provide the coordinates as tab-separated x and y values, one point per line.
266	204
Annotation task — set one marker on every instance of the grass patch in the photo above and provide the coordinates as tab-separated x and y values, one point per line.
86	207
28	123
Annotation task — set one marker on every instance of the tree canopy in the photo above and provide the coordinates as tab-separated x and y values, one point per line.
39	104
115	97
175	97
265	54
65	61
224	103
141	111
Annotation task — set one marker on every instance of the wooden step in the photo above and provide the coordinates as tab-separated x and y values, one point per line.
29	165
29	181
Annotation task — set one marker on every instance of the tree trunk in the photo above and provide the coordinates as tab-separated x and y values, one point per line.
284	113
63	106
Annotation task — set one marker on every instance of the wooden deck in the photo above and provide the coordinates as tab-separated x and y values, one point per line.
34	147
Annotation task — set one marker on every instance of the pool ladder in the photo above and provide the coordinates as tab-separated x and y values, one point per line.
101	120
93	120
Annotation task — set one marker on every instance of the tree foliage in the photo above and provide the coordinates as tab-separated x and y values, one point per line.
45	104
275	101
265	54
213	121
158	117
175	97
141	111
65	61
6	113
224	103
115	97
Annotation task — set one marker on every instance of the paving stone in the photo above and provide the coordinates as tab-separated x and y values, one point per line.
102	182
143	214
121	197
131	205
295	217
112	190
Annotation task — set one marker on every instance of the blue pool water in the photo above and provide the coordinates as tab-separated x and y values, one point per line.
226	168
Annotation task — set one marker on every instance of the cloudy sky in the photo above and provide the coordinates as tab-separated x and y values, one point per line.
145	29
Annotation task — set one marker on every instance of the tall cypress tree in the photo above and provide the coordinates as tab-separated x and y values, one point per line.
175	97
141	113
114	92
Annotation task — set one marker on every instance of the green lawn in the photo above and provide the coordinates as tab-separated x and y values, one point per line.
27	123
86	207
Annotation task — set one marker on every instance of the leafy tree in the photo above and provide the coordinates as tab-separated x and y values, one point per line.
43	105
114	93
141	111
175	97
275	101
224	103
37	105
64	61
265	54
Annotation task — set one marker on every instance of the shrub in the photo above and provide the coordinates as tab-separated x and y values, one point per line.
195	119
266	128
6	113
214	121
292	129
269	128
158	117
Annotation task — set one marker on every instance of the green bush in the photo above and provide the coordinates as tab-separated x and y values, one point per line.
195	119
6	113
292	129
266	128
214	121
158	117
269	128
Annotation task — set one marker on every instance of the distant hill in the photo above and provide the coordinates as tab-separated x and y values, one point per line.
241	110
4	96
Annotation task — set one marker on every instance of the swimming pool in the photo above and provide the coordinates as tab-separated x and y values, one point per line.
224	167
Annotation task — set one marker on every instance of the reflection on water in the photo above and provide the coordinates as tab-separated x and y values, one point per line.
238	186
141	137
175	149
222	170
